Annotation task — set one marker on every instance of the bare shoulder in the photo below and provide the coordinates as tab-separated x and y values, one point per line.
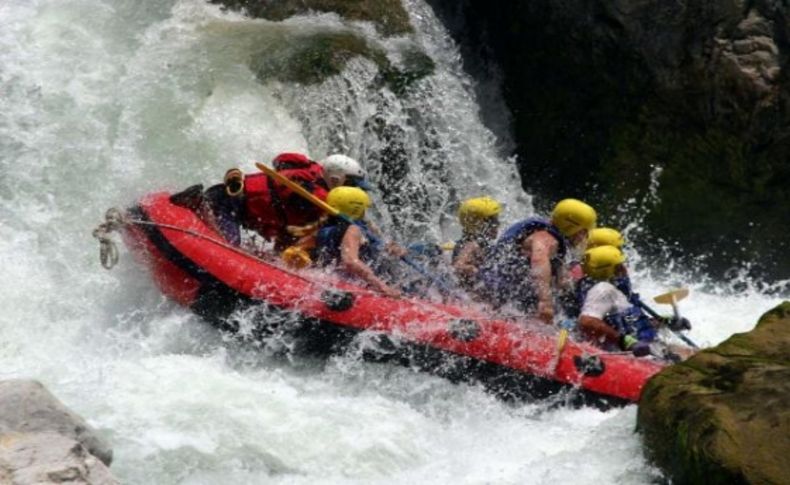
541	240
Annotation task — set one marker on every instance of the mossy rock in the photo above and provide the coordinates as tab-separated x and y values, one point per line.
415	65
389	16
314	58
722	417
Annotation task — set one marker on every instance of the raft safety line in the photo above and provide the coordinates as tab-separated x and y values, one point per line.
114	220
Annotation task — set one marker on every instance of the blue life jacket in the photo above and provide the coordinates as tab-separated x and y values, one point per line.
623	283
505	274
330	239
632	321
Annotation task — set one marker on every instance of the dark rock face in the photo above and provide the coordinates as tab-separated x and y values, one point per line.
723	415
605	92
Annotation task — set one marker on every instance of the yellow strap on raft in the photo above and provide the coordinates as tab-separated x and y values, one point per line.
296	257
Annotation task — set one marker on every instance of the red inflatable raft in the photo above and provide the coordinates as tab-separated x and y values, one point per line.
193	265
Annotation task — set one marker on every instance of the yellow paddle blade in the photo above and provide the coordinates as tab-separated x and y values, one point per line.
563	337
448	246
672	296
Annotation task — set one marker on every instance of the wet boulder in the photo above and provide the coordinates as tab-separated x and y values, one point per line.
26	406
311	57
38	458
723	415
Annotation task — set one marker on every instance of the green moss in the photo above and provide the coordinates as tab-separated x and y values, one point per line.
415	66
782	311
714	418
389	16
313	59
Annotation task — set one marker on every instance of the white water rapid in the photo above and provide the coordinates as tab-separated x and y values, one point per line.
102	101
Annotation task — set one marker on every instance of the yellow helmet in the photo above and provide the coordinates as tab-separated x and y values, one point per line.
571	216
600	263
604	236
473	212
350	201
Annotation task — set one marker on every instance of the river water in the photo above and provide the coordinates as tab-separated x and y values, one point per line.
102	101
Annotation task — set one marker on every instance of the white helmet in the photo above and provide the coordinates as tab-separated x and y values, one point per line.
339	168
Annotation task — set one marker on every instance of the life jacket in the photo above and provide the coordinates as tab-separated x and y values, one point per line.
270	207
300	169
632	321
623	283
330	239
505	272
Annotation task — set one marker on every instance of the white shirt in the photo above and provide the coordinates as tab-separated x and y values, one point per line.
604	298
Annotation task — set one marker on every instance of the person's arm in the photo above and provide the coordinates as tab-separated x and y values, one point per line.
391	247
596	329
349	257
543	248
465	264
602	299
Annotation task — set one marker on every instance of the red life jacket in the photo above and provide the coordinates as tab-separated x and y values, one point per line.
268	211
263	209
302	170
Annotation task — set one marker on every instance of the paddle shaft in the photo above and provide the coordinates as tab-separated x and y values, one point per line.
332	211
654	314
561	340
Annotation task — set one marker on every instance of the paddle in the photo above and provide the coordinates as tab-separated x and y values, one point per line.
562	338
332	211
670	298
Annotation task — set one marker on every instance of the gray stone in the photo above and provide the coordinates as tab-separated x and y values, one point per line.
49	458
26	406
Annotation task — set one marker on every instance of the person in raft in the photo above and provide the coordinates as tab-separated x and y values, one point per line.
606	236
607	316
600	236
342	171
344	243
255	202
527	264
479	219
